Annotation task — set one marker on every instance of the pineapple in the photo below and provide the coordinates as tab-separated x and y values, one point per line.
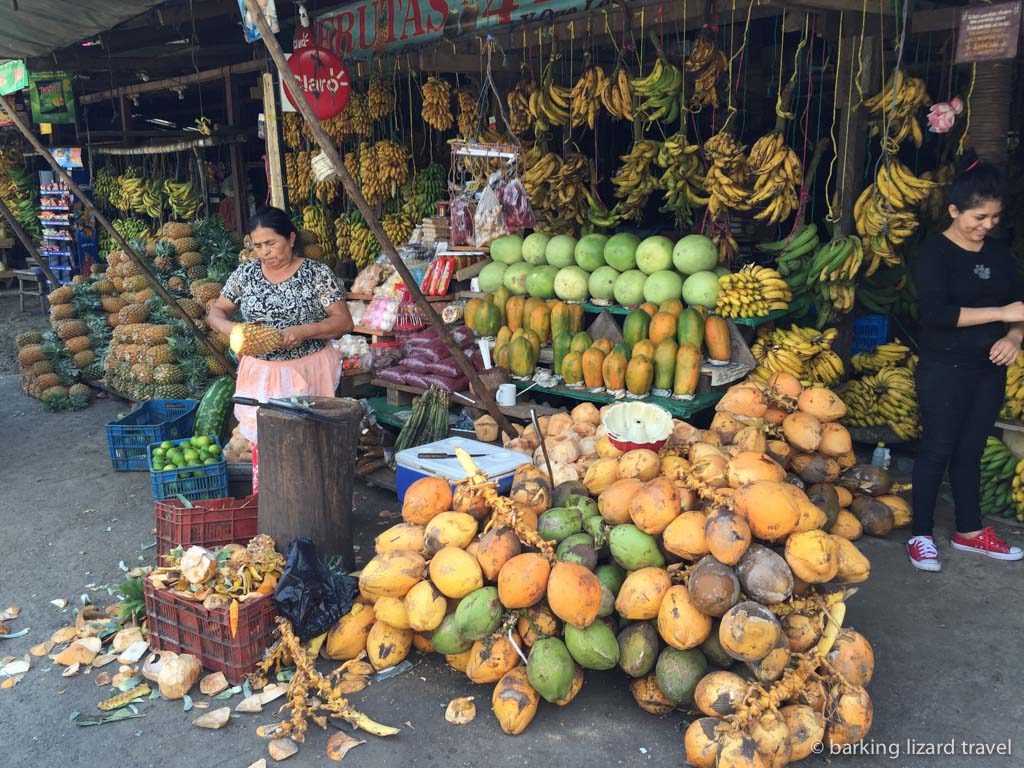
151	247
55	398
78	344
67	329
142	373
220	341
185	244
113	320
170	392
163	263
197	272
135	283
205	291
113	304
62	295
144	295
214	367
155	334
62	312
254	339
161	354
168	374
79	280
46	381
176	229
30	354
78	396
189	259
134	313
41	368
29	337
104	287
84	359
192	308
176	283
93	373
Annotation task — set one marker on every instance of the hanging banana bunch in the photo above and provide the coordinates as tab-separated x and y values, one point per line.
754	291
568	194
183	199
469	116
658	92
131	188
617	95
292	133
154	198
540	167
549	104
895	107
437	110
706	64
429	187
380	99
392	160
585	99
934	208
682	182
356	117
885	214
778	175
316	219
518	99
634	181
103	183
726	245
727	180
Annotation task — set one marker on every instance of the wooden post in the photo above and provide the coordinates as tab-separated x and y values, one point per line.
483	392
105	223
235	155
307	473
26	241
272	124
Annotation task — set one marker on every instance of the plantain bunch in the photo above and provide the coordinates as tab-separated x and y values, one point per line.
518	99
380	99
778	174
292	133
887	397
682	180
728	177
894	109
437	111
706	64
355	118
635	180
585	97
317	220
469	116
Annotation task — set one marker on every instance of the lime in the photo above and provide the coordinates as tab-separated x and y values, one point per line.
166	445
169	467
191	455
202	441
159	452
211	461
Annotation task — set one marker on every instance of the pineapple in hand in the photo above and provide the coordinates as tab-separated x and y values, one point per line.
255	339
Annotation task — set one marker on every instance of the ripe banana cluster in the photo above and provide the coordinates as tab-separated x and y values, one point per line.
362	247
520	119
549	104
316	219
585	97
634	181
728	248
885	213
355	118
383	167
893	354
706	64
1002	481
803	352
154	199
754	291
558	189
292	133
778	175
658	93
380	99
298	172
894	108
437	109
130	193
183	199
1013	400
682	180
469	116
617	95
934	207
728	176
887	397
398	226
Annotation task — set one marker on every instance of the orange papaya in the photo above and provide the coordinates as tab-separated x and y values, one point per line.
487	319
534	340
614	370
529	305
687	374
663	326
520	357
592	362
605	345
501	297
559	349
639	375
581	342
623	349
673	306
514	312
645	348
540	322
649	307
559	318
716	338
501	355
469	313
665	364
576	317
572	368
690	328
504	336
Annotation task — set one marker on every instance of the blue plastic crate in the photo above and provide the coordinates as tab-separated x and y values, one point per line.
129	437
868	332
211	483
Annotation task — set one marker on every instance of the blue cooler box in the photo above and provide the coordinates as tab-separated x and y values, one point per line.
499	464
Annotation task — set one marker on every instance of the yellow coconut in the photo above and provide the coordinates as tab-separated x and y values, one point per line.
701	741
727	536
900	508
391	610
347	638
835	440
574	594
845	496
391	574
387	646
702	450
847	526
600	475
685	537
738	750
813	556
751	467
495	548
425	498
785	384
456	529
514	701
605	449
779	450
459	661
802	632
649	697
455	572
537	622
680	624
854	567
425	607
586	413
771	735
614	502
851	720
711	470
852	657
489	660
749	631
640	463
655	506
726	426
821	403
750	439
806	730
718	693
641	593
674	467
769	509
802	431
523	580
404	537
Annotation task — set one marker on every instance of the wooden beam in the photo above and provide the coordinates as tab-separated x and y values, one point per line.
272	124
26	241
483	392
235	156
91	208
936	20
186	145
170	83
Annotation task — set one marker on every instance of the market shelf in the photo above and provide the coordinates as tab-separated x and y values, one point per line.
58	238
683	409
55	208
753	322
371	297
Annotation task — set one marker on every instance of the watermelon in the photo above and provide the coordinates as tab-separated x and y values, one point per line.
212	413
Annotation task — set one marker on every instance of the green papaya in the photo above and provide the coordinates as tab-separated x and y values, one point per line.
447	639
560	347
690	328
572	368
581	342
521	359
636	327
504	336
639	644
687	372
559	318
678	673
479	614
550	668
665	364
558	523
633	549
576	318
488	319
594	647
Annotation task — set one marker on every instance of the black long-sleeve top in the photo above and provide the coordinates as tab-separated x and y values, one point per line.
948	277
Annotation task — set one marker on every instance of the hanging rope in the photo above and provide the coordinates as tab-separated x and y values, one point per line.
737	55
968	109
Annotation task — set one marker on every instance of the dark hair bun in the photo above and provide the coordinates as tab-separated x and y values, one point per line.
976	182
275	219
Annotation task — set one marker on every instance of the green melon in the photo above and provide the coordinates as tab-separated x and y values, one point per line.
491	276
507	249
629	288
534	246
515	276
560	251
589	253
620	251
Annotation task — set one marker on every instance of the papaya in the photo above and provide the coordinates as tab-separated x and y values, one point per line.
529	305
550	668
605	345
624	350
501	355
678	673
673	307
514	312
479	613
639	644
469	313
663	326
581	342
686	376
387	646
636	327
644	348
559	318
559	349
504	335
500	298
446	638
347	638
520	357
690	328
487	319
514	701
540	322
649	307
534	339
716	338
665	364
576	318
572	368
593	361
594	647
613	371
639	376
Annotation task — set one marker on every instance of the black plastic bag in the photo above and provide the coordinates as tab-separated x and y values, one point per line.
309	594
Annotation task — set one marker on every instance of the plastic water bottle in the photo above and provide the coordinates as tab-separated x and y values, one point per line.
881	457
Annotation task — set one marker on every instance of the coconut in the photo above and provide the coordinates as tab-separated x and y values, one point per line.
751	467
835	440
813	556
713	586
802	431
821	403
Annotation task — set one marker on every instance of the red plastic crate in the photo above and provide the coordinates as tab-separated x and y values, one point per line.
211	523
184	626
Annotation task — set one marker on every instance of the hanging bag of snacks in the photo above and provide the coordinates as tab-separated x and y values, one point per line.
489	221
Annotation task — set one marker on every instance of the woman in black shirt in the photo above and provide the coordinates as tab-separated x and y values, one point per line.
972	321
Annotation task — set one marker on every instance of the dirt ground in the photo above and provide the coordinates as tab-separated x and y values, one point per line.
947	646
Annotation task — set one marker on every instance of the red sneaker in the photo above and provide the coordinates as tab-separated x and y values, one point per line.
923	554
987	543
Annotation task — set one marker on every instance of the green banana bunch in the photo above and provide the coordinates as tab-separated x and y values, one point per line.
682	183
999	481
153	199
659	93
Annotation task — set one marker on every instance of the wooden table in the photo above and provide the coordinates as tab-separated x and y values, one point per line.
31	277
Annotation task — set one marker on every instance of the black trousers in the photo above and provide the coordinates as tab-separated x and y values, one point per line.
958	406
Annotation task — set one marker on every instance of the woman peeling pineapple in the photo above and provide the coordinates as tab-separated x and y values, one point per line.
290	307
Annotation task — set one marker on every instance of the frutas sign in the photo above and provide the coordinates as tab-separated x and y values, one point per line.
364	28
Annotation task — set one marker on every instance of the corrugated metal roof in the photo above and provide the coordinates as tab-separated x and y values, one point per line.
41	26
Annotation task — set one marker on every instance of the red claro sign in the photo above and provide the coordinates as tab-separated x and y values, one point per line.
322	76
